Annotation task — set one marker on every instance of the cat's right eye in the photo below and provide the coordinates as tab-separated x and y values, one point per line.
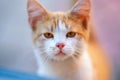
48	35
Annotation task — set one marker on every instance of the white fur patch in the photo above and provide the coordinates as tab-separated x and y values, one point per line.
61	26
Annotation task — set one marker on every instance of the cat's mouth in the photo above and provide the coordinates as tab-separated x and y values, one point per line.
60	53
60	56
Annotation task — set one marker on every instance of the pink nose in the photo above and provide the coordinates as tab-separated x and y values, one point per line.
60	45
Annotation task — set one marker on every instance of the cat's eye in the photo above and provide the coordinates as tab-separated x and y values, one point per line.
71	34
48	35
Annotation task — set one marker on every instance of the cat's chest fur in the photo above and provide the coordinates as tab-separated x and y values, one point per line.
81	69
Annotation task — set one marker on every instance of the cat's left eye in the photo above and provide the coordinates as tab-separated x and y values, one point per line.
48	35
70	34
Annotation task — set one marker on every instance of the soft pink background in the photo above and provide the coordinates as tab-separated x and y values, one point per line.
106	14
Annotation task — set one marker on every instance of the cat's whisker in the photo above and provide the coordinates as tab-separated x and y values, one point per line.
47	59
74	59
79	50
77	54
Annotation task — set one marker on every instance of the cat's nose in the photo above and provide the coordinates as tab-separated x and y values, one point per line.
60	45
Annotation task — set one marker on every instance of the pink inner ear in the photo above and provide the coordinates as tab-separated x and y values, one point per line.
35	12
82	7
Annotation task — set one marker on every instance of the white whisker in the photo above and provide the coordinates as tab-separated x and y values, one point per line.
74	59
46	59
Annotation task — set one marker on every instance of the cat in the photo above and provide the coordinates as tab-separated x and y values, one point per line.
61	42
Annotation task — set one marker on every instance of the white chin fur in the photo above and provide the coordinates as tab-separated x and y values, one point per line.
61	57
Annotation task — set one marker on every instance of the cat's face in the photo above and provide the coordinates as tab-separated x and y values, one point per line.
58	35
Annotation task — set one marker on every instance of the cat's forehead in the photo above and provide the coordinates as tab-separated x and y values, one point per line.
59	19
56	21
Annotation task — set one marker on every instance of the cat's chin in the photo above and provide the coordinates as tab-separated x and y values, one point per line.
61	57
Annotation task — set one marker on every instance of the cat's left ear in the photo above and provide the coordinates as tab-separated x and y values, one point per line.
81	10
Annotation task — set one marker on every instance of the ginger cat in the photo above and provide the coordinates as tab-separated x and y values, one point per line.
61	43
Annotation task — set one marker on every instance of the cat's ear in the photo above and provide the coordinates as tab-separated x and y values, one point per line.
81	11
36	12
81	8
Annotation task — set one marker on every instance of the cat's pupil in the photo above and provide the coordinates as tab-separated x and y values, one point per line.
48	34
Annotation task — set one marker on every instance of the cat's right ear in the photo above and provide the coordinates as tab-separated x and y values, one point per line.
36	12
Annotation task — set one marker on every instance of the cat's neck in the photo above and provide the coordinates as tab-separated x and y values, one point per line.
67	68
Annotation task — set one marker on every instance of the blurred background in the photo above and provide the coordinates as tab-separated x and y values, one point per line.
15	33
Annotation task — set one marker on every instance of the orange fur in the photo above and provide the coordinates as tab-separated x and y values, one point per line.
100	61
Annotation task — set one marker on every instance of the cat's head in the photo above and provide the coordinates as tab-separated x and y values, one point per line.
59	35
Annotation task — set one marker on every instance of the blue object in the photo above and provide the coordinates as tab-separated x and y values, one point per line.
6	74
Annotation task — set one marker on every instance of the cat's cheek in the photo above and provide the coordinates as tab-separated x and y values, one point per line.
68	50
50	47
70	46
39	44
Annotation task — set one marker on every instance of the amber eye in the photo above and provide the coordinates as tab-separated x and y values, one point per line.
48	35
71	34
